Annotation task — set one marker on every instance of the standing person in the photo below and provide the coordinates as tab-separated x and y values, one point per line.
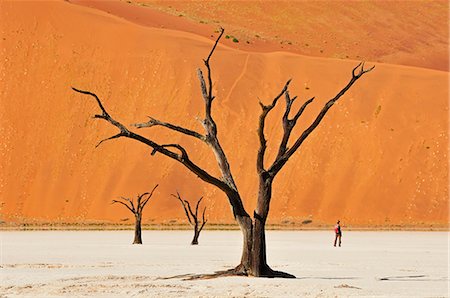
338	232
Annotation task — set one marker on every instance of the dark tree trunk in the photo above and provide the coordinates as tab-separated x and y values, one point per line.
259	261
246	226
254	260
196	235
137	231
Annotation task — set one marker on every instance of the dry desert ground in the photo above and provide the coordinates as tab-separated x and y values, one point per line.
105	264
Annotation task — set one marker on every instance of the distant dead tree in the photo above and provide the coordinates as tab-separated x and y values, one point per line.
136	208
193	217
253	259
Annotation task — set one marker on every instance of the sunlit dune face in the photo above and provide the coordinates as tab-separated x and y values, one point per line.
379	158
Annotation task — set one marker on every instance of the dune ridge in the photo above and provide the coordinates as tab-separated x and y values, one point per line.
379	158
408	33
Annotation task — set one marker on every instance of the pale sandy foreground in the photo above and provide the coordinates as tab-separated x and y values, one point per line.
105	264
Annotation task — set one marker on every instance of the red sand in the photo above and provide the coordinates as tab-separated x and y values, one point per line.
379	157
413	33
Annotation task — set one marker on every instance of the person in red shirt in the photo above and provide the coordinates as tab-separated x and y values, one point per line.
338	232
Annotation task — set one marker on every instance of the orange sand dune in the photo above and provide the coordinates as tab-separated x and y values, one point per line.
413	33
378	158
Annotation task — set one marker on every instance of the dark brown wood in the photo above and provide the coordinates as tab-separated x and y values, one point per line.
253	259
154	122
193	217
137	209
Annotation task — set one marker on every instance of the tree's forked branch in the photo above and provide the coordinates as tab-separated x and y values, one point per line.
204	221
184	207
148	197
131	203
212	139
285	154
265	109
124	132
104	112
226	183
289	124
289	102
190	210
183	156
302	108
139	199
131	207
275	99
361	70
207	91
105	115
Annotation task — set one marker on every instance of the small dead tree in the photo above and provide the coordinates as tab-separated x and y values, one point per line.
136	208
253	259
193	217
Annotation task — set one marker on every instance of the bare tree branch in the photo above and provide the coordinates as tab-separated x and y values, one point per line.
302	108
110	138
105	115
213	141
190	210
184	207
154	122
149	196
104	112
210	96
192	217
204	221
183	151
196	207
139	200
262	119
222	161
361	70
289	124
201	173
226	183
128	207
131	203
281	161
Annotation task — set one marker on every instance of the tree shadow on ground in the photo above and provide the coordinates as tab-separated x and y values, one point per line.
411	278
328	278
193	276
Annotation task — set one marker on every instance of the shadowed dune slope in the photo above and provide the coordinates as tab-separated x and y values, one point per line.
412	33
378	158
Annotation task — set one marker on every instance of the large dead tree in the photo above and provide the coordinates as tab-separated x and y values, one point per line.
253	259
193	217
136	208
